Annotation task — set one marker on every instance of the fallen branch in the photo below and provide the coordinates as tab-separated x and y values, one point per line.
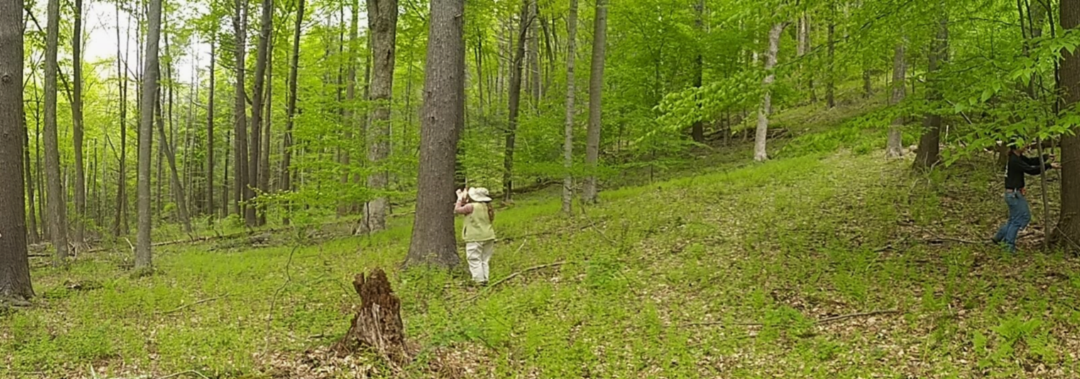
957	240
514	275
199	374
185	306
853	315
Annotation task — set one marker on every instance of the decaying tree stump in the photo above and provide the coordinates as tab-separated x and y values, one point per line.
377	325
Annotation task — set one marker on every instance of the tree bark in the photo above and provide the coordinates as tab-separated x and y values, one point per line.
33	237
760	139
515	99
568	132
77	126
210	132
382	24
596	87
120	219
56	200
240	137
258	96
1067	233
146	122
433	238
895	148
929	153
294	66
264	159
830	74
14	262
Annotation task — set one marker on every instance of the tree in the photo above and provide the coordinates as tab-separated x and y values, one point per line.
241	191
895	147
14	262
698	130
830	78
210	129
56	199
382	24
568	140
596	87
77	125
294	67
766	102
1067	232
257	98
929	153
433	239
120	221
146	124
514	105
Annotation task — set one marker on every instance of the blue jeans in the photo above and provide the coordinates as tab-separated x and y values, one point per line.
1019	217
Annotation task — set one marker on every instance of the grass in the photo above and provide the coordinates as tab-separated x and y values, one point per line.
726	273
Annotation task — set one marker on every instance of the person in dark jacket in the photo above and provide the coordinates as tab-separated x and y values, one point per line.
1015	195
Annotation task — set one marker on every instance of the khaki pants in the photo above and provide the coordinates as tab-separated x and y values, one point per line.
478	254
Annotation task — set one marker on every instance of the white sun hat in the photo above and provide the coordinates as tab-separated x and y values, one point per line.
479	194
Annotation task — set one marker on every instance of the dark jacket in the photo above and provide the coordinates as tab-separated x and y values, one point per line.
1018	166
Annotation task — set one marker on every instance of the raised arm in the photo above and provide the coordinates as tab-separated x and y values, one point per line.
463	208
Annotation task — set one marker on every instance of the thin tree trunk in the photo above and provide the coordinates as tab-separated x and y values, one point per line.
210	134
177	186
226	201
895	148
760	139
596	87
351	120
146	120
120	219
264	164
830	74
929	153
240	137
433	238
382	24
568	132
698	130
258	96
536	88
34	237
56	202
15	275
294	67
515	99
77	127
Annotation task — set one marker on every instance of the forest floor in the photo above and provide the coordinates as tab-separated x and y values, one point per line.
826	265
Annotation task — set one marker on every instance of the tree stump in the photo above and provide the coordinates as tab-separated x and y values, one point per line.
377	325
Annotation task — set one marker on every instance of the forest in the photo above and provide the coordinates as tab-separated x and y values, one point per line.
766	188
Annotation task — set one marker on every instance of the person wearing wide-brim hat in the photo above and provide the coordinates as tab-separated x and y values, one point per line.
479	236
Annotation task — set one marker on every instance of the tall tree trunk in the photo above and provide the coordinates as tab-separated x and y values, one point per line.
382	24
15	272
56	201
1067	233
226	201
294	67
596	87
351	120
210	132
568	132
433	238
146	124
177	186
895	148
698	130
240	137
536	88
120	219
34	237
929	152
766	102
264	163
258	96
515	99
77	127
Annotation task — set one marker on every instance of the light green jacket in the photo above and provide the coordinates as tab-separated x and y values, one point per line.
478	225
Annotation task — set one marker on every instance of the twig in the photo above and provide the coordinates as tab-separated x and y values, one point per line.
853	315
950	239
514	275
185	306
184	373
273	301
